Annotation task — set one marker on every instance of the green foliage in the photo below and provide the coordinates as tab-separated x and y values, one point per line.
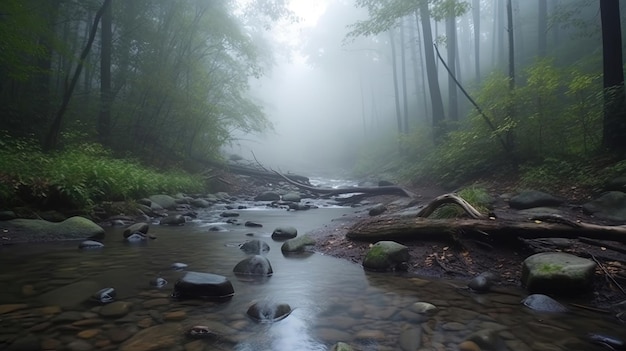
78	177
475	195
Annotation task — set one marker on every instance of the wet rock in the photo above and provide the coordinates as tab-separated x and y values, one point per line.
115	309
68	317
173	220
543	303
610	205
608	341
557	273
164	201
377	210
284	233
229	214
178	266
136	238
469	346
254	265
70	295
298	207
487	339
411	339
73	228
79	345
88	333
90	244
341	346
202	203
483	282
106	295
267	311
158	282
8	308
141	227
423	307
255	247
267	196
216	228
201	332
385	255
253	224
175	316
158	337
533	198
297	244
291	197
203	285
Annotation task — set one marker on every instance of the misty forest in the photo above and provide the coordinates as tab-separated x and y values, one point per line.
470	147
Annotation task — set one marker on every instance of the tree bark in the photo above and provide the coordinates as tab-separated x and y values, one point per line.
396	93
476	20
405	99
104	118
453	105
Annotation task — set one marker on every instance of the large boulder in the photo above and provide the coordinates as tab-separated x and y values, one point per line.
297	244
557	273
268	311
164	201
140	227
254	265
73	228
610	205
284	233
172	219
386	255
533	198
267	196
292	197
255	247
203	285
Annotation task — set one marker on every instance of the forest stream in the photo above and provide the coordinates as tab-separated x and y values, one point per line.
45	305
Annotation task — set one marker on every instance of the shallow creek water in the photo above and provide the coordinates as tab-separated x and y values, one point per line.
333	300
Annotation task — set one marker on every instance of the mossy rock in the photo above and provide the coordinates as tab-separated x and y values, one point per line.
73	228
386	255
557	273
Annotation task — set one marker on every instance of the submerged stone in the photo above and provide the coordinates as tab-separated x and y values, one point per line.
203	285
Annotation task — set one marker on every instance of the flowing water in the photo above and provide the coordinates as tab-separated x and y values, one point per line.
43	288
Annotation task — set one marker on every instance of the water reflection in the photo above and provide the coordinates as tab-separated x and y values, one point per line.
332	300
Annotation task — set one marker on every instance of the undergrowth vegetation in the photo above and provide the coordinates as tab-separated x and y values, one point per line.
80	176
545	132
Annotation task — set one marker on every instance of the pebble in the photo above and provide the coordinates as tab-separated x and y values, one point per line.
88	334
469	346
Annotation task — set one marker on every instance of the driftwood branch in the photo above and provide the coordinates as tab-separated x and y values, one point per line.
450	199
378	190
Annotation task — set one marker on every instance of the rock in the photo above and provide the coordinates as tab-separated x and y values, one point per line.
342	346
377	209
158	337
284	233
26	343
543	303
136	228
297	244
106	295
7	215
8	308
79	345
203	285
71	295
483	282
254	265
202	203
73	228
557	273
266	311
267	196
291	197
201	332
229	214
158	282
610	205
616	184
298	206
164	201
253	224
136	238
115	309
487	339
178	266
385	255
423	307
411	339
608	341
469	346
532	198
90	244
173	219
255	247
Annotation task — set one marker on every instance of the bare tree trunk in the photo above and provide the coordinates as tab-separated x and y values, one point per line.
476	19
104	119
394	65
453	106
509	16
542	30
405	98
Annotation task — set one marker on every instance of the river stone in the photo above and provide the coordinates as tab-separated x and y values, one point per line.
164	201
136	228
115	309
70	295
423	307
229	214
292	197
267	196
297	244
173	219
610	205
106	295
533	198
254	265
26	343
557	273
203	285
255	247
90	244
266	311
202	203
253	224
158	337
386	255
8	308
73	228
136	238
342	346
377	210
411	339
543	303
283	233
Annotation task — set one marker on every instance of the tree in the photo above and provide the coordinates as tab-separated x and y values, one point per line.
542	30
476	21
614	135
104	118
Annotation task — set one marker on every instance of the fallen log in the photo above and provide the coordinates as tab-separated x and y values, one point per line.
378	190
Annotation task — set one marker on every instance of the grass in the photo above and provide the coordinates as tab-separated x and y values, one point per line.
80	176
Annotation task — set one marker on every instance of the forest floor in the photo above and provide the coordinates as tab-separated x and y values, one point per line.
465	257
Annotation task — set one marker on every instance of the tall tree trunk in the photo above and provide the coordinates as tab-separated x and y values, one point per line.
394	66
425	92
542	30
52	139
438	117
104	118
453	106
418	74
614	134
405	99
509	17
41	91
476	20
